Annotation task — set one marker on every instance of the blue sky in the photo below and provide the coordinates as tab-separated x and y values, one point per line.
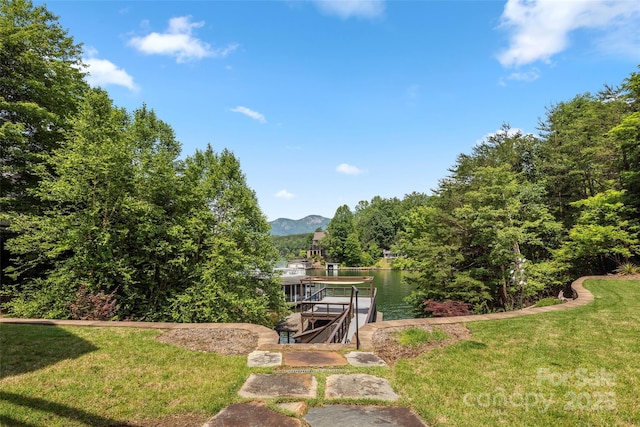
328	103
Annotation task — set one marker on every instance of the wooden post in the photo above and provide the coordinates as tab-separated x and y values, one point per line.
357	326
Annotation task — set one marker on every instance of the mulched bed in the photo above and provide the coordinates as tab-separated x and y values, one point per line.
386	345
229	342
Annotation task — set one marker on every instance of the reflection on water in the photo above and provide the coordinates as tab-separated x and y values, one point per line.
391	291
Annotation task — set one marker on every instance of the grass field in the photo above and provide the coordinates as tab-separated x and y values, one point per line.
52	376
579	367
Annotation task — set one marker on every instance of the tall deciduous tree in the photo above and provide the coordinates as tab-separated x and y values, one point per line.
236	280
603	237
342	242
76	241
485	217
627	135
41	83
125	217
378	222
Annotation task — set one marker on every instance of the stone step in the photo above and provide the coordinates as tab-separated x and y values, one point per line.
316	359
257	414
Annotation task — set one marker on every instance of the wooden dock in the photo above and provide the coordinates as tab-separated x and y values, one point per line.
332	314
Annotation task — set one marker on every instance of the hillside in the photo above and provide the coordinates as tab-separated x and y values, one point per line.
308	224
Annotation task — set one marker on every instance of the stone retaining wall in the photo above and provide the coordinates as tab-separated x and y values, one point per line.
268	338
584	297
265	335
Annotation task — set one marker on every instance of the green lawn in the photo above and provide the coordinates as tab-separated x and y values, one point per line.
52	376
579	367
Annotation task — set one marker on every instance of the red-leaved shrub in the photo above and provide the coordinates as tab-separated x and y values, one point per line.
93	306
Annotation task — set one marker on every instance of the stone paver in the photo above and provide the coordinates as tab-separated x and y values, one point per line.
363	358
251	414
359	386
263	359
313	358
362	416
268	386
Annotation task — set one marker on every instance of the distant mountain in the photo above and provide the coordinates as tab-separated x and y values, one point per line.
308	224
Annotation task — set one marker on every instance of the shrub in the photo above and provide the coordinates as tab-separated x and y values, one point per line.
627	268
41	299
93	306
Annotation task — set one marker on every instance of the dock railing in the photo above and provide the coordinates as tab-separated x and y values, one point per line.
372	314
312	311
338	314
337	291
317	295
339	328
341	325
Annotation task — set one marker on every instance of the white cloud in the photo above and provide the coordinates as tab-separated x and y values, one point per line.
522	76
284	194
103	72
349	169
525	76
540	29
249	113
352	8
179	42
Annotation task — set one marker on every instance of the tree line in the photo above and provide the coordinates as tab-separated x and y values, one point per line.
102	217
358	238
292	245
521	215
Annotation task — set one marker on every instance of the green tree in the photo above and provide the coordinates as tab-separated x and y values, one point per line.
41	84
75	242
352	251
436	261
237	282
378	222
484	217
155	216
170	240
506	220
627	135
579	158
604	237
341	242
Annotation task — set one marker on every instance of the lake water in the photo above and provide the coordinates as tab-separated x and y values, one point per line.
391	291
